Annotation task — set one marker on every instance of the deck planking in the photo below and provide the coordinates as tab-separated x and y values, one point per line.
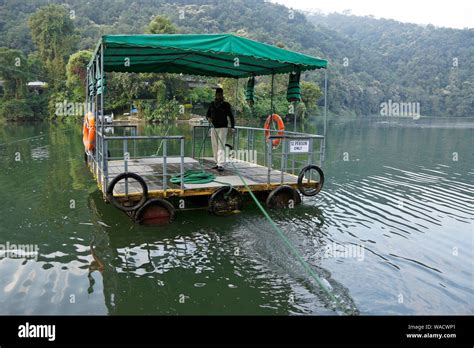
151	170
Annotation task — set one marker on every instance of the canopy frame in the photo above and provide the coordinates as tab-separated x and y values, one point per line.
210	47
217	55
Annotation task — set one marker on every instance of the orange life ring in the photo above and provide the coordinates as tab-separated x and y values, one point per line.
88	131
281	128
85	131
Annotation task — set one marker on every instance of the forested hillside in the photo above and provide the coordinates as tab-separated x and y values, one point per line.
425	64
371	61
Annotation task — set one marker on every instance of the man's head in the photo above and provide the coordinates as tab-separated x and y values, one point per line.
219	94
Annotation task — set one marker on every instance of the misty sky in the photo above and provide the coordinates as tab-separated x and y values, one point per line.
453	13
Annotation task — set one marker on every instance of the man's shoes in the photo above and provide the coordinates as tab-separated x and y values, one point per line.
220	169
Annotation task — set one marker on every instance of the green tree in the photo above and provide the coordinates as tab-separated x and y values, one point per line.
201	94
52	31
16	109
76	72
13	72
310	94
122	89
161	25
234	93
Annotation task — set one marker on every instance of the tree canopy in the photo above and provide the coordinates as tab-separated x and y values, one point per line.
371	60
52	31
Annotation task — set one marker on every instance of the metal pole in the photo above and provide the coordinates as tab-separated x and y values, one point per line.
134	132
325	110
97	166
165	173
234	136
283	154
87	91
87	106
125	162
182	163
102	76
193	154
236	97
270	160
294	116
271	95
294	130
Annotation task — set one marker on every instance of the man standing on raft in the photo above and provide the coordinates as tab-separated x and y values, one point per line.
217	114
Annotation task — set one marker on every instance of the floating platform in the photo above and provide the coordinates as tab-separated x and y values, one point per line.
148	188
256	177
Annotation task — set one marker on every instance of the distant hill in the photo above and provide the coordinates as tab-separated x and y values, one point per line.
386	60
425	64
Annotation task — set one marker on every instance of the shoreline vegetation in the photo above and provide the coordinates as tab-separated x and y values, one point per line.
43	63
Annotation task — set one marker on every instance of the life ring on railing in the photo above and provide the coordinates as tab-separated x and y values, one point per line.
280	125
88	131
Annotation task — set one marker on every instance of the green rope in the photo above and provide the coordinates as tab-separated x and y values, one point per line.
199	176
305	265
194	177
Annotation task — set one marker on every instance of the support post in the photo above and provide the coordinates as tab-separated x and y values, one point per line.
294	116
236	97
165	172
87	106
126	157
270	161
182	162
271	94
102	128
193	153
95	111
325	111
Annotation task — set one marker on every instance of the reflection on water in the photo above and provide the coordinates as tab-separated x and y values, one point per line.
391	233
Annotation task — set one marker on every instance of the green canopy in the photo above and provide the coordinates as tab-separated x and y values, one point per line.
218	55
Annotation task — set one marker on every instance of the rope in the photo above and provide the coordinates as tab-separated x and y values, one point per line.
280	233
199	176
194	177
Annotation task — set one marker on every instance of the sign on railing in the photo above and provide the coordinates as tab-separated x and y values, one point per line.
299	146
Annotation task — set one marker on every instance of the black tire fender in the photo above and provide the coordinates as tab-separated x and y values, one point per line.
310	192
272	202
115	202
155	201
225	191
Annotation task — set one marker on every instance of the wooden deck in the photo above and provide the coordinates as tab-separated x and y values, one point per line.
151	170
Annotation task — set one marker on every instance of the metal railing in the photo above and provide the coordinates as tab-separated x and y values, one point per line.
121	151
295	150
115	154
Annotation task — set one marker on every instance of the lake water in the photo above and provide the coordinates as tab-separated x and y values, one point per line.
390	233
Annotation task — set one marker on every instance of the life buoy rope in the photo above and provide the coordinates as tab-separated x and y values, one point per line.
280	126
